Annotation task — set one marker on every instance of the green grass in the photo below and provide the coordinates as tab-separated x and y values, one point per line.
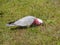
47	10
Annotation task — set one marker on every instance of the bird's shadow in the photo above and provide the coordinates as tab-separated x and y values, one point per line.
25	27
16	28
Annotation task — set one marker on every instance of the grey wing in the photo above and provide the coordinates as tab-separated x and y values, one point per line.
26	21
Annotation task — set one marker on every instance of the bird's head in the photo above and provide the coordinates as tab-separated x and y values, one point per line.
37	21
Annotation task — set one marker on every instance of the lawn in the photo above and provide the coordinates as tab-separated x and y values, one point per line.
47	34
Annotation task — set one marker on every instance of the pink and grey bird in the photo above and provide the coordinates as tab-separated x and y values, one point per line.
26	21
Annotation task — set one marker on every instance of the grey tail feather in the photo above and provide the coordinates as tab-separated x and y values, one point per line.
10	24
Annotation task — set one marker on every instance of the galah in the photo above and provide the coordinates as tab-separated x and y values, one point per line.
26	21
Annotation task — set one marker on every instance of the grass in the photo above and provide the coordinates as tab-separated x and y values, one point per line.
47	10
